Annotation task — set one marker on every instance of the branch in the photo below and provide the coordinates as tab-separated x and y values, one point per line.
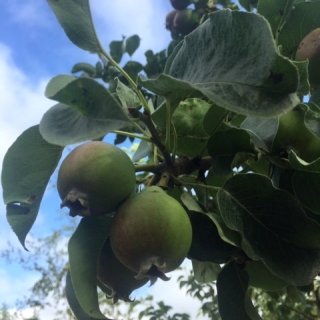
181	166
146	119
302	313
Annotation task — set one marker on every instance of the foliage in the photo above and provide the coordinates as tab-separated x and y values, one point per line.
226	118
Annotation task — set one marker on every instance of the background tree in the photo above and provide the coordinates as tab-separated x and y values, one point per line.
225	128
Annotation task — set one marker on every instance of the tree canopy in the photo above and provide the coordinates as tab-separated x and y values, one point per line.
227	121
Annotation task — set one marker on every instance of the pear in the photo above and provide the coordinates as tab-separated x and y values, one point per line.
95	178
151	234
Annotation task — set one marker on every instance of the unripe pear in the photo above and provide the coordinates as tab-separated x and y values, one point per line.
309	49
186	21
169	19
179	4
95	178
114	275
151	234
293	135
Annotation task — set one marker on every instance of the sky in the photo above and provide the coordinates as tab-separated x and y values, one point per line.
33	49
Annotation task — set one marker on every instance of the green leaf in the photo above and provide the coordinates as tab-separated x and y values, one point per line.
232	286
276	12
261	277
273	226
312	122
190	202
85	95
306	182
246	74
304	86
116	50
314	101
62	125
57	84
75	18
27	168
302	20
144	149
87	111
84	67
205	271
73	301
262	131
223	146
84	249
132	68
214	119
207	244
127	96
226	234
132	44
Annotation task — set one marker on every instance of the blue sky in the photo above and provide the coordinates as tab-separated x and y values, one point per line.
33	49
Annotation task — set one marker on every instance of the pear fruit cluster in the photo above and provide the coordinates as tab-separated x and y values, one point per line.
95	178
150	232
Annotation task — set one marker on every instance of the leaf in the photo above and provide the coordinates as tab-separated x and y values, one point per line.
273	226
262	131
207	245
27	168
127	96
73	301
314	101
57	84
304	86
306	182
144	149
232	286
213	119
246	74
84	249
302	20
223	146
75	18
84	67
87	111
132	44
205	271
190	203
276	12
261	277
132	68
87	96
62	125
116	50
312	122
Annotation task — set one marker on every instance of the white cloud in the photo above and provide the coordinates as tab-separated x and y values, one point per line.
14	288
30	14
22	101
125	17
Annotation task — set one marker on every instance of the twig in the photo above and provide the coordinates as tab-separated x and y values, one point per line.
146	119
302	313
